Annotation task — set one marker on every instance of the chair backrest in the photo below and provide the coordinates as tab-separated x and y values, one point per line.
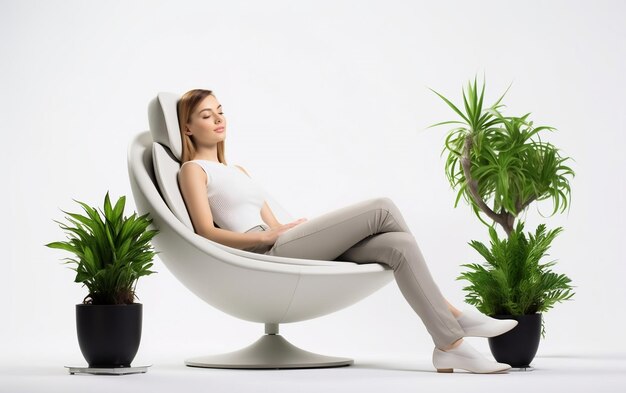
167	155
167	152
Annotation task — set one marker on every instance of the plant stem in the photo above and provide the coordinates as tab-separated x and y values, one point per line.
505	219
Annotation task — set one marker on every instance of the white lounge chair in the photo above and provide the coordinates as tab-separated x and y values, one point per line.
251	286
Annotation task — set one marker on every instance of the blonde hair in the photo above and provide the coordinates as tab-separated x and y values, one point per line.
185	107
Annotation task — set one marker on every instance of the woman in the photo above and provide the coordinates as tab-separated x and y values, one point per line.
369	231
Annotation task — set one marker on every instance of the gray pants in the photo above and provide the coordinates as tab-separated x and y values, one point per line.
369	231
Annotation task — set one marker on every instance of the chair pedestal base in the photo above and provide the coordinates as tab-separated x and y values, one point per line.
269	351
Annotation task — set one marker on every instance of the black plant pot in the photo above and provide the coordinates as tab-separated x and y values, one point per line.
109	334
518	346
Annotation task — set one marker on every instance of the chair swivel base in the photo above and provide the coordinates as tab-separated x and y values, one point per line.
269	351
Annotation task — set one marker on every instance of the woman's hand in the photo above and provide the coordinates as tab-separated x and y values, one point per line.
270	236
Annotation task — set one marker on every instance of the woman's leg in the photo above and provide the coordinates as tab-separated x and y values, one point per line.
375	231
455	311
400	251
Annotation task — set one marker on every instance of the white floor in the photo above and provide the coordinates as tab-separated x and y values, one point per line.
552	373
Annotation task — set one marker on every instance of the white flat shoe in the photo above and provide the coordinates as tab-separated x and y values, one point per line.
477	324
467	358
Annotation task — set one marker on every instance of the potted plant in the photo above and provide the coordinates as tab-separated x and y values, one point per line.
112	252
501	166
513	284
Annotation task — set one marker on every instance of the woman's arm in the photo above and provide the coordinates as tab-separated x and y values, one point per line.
268	216
266	213
193	185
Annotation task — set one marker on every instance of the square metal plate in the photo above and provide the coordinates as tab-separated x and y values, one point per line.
108	371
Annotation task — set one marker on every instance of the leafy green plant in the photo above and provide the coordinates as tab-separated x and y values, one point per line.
498	157
112	252
512	281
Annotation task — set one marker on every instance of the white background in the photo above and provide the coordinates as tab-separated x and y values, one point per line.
327	104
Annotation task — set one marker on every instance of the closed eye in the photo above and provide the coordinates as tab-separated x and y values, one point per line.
221	113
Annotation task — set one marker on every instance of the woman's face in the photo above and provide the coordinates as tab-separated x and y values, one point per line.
208	124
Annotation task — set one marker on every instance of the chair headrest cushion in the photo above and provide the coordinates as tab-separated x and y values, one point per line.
165	171
163	120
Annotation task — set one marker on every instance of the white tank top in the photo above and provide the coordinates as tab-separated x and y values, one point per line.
235	199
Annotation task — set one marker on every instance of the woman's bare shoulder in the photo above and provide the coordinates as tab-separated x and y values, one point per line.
192	172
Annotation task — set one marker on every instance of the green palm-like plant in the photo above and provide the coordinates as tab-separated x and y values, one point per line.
501	161
512	281
496	157
113	253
